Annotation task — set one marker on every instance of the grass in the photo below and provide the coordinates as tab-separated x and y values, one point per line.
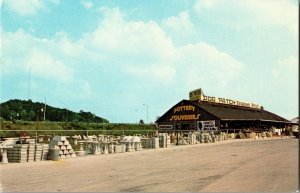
22	128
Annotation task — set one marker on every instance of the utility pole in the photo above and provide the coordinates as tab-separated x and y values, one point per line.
45	111
37	123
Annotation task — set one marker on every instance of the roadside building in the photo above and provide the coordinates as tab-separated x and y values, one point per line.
295	120
203	112
295	127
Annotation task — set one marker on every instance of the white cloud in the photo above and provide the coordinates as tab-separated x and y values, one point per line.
42	64
52	63
141	49
203	64
86	4
39	54
203	4
251	13
140	46
179	23
145	51
27	7
180	29
280	12
130	37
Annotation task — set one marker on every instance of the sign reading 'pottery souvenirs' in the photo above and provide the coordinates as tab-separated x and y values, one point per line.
184	113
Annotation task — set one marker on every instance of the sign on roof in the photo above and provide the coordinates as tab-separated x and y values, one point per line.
199	95
196	94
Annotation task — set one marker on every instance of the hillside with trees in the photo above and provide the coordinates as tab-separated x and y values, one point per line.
26	110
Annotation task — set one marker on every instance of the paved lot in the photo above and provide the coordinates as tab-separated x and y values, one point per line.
229	166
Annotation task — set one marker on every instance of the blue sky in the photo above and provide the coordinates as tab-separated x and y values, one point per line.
111	57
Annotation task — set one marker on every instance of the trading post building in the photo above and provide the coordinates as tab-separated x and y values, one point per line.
201	113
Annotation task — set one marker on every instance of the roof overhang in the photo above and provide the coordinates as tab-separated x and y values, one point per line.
263	120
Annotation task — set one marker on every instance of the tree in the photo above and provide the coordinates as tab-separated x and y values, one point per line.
27	111
142	122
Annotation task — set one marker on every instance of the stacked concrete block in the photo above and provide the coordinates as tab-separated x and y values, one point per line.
201	137
193	138
66	150
240	135
38	152
30	141
226	136
207	138
17	154
222	136
269	134
213	137
111	148
231	135
155	142
217	137
45	152
182	142
145	143
27	153
30	152
168	141
251	135
163	140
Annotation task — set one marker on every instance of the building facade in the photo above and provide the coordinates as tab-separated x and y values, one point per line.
203	112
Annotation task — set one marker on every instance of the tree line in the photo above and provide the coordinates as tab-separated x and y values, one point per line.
26	110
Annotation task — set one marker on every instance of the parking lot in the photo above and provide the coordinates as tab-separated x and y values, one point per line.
265	165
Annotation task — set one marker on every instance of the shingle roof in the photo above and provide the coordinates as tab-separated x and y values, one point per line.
226	112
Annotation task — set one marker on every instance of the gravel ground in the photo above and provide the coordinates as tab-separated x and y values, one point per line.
269	165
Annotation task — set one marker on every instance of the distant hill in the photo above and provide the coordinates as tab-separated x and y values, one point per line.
29	111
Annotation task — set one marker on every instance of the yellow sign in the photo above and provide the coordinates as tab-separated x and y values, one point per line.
184	108
198	95
185	117
229	102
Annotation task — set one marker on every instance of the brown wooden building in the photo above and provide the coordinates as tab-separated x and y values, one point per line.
193	115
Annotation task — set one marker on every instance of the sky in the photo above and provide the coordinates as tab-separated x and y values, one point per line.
121	59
